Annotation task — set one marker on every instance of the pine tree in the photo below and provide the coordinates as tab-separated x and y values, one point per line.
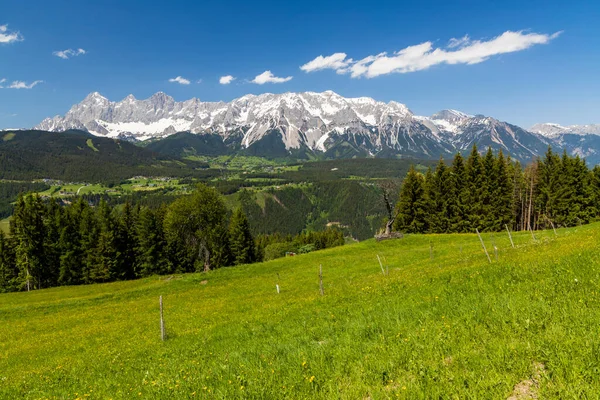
88	242
52	225
412	205
460	216
488	189
501	195
126	245
475	187
8	265
442	196
70	272
104	267
241	241
151	243
29	234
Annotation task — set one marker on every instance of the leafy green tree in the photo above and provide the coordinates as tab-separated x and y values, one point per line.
240	238
196	231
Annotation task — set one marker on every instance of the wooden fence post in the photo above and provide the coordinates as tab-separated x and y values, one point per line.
431	250
553	228
509	236
321	279
483	245
381	265
162	321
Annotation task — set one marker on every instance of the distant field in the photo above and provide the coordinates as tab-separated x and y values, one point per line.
4	225
445	323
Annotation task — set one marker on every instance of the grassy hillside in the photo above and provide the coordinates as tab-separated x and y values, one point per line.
444	323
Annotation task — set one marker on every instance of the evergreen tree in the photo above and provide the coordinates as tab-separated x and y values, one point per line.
29	235
70	272
105	268
151	243
241	241
475	187
8	265
459	221
412	205
52	225
126	245
501	195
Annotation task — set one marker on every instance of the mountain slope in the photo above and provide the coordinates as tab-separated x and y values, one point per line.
306	125
79	156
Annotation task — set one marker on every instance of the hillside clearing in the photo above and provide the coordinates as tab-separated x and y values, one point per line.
444	323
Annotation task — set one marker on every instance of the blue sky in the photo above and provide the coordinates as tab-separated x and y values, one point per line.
545	69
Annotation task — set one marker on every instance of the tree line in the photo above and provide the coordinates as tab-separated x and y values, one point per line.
492	191
51	245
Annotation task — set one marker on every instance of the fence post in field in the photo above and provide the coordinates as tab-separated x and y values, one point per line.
532	235
162	321
321	279
553	228
483	245
381	265
277	287
509	236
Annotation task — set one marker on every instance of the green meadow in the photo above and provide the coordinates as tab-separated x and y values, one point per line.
5	225
442	322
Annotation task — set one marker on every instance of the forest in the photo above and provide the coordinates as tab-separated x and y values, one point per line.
53	245
492	193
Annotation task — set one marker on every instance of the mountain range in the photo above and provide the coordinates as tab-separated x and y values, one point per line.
308	123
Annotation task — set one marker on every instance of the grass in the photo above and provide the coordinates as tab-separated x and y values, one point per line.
4	225
447	326
8	137
90	144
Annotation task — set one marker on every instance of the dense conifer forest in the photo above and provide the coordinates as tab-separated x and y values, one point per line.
491	193
51	245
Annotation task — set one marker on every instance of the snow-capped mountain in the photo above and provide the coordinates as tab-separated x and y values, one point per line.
554	130
317	122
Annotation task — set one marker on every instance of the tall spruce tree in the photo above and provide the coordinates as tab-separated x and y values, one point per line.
460	216
29	235
242	245
412	205
475	187
501	195
8	265
151	242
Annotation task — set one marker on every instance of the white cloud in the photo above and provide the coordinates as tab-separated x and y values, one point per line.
199	81
336	61
423	56
226	80
23	85
1	82
68	53
7	36
268	77
181	80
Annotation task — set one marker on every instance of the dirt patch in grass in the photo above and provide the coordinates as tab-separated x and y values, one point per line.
528	388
